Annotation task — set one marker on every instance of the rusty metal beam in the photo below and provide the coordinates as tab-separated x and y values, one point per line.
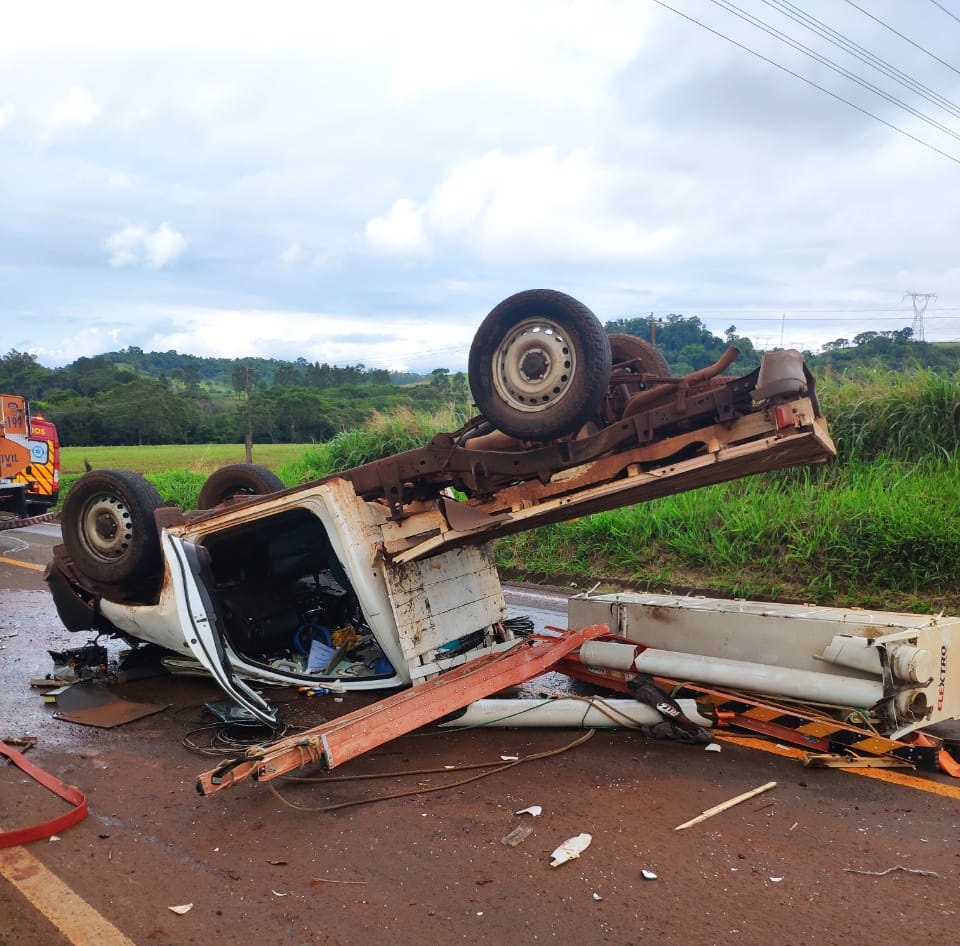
343	739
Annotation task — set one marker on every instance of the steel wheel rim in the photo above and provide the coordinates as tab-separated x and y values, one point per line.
106	528
534	365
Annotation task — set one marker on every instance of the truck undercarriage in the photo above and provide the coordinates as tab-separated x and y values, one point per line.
382	575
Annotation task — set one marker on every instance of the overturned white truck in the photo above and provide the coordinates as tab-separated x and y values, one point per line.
383	575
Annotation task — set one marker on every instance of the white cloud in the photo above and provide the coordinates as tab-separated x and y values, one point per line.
79	107
291	254
530	207
212	98
333	337
399	232
560	143
136	245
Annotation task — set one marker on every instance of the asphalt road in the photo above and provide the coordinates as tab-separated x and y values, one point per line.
825	857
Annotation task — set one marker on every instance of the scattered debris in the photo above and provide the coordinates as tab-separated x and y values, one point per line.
24	742
181	909
713	747
890	870
648	874
328	880
775	880
676	724
833	761
597	896
509	758
570	849
91	705
723	806
229	712
89	662
277	893
51	696
519	834
534	810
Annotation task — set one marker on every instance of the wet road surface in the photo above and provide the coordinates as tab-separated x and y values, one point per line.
792	866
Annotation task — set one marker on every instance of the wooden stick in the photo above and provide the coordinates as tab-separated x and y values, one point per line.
723	806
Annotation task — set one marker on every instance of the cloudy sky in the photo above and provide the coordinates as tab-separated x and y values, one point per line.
363	182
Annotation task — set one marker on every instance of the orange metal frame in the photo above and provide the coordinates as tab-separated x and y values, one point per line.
352	735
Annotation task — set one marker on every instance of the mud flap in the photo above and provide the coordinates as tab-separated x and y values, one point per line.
201	624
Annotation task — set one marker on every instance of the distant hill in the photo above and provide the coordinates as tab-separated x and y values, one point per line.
132	396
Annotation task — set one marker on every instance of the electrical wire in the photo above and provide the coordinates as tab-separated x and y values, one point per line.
799	16
810	82
945	10
906	39
498	767
830	64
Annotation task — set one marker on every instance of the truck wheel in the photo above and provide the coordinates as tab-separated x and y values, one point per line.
539	365
237	479
644	358
108	526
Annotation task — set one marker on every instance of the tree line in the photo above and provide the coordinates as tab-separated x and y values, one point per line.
137	397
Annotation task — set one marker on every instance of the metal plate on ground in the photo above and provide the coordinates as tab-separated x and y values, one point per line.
91	705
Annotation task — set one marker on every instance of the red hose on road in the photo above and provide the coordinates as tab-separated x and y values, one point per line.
61	789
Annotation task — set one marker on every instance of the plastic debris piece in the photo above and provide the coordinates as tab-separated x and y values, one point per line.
181	909
648	874
570	849
520	833
509	758
713	747
775	880
277	893
597	896
534	810
54	837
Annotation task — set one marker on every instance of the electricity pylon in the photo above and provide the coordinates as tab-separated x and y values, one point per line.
920	302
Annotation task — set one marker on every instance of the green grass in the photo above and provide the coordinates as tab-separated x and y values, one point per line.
878	528
198	458
883	534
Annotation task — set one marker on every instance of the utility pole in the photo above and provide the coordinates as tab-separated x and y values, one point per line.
248	440
920	302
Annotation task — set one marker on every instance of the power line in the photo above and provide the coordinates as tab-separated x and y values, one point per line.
906	39
830	64
945	10
793	12
809	82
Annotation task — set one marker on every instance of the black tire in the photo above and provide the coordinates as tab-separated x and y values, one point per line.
644	358
237	479
632	358
539	365
108	526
